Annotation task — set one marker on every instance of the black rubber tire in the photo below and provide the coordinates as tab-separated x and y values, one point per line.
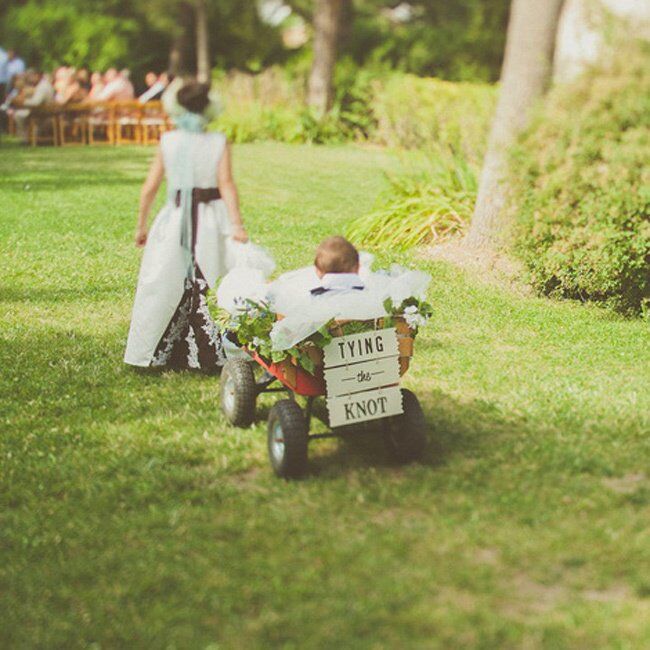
238	392
405	435
292	461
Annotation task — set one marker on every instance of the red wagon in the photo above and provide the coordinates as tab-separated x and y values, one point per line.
359	377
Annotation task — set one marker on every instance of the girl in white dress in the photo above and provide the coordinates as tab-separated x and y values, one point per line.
190	240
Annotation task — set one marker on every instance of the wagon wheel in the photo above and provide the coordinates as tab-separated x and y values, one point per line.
405	435
238	392
288	438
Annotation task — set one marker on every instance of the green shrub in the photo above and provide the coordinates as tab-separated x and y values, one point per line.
581	188
413	112
430	205
254	121
389	109
271	106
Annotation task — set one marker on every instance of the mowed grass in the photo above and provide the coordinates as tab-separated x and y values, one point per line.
132	515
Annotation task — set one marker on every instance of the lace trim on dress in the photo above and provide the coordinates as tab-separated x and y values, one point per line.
191	339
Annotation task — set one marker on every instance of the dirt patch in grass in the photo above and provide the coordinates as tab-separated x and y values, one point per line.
495	268
612	594
627	484
530	596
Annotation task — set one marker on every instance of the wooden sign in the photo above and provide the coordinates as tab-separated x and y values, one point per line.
354	348
362	373
361	407
357	377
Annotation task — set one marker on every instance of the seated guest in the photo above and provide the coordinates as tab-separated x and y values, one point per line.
15	97
15	65
117	87
42	94
129	90
150	79
83	79
155	87
72	92
4	74
63	78
96	86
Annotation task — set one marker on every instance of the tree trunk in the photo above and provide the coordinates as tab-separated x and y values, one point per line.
181	39
202	44
327	23
525	76
176	61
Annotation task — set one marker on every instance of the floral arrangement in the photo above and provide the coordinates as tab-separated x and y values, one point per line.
253	323
414	311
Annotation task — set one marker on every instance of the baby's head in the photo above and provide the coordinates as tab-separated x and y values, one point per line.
336	255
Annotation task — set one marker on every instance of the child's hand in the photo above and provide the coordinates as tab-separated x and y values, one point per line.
239	234
140	237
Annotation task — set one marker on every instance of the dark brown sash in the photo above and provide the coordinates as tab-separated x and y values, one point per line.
199	195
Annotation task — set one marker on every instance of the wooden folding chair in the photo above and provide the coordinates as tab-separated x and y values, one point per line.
127	122
100	123
42	125
72	124
153	122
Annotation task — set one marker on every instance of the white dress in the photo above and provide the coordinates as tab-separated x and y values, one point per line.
186	251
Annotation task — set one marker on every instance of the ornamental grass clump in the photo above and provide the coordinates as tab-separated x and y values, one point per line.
426	207
581	188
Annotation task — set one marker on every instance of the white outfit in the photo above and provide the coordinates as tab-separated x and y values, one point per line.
176	273
4	62
155	91
43	94
15	67
120	89
307	302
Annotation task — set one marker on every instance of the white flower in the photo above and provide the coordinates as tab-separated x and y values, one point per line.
413	318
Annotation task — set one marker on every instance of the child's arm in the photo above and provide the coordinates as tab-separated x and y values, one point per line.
147	196
228	189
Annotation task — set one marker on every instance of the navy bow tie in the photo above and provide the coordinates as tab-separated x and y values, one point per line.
319	291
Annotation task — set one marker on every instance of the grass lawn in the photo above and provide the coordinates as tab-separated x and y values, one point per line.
131	515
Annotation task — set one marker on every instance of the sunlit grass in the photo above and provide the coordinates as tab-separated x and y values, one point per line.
132	515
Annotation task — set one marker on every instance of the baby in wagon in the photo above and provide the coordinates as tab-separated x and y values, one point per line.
335	272
335	275
340	285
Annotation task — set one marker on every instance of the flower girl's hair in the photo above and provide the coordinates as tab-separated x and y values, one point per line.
184	96
194	96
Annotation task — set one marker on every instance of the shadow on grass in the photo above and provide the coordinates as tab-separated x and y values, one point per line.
54	295
454	428
72	182
78	381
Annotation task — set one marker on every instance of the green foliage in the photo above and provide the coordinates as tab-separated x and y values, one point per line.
389	109
581	188
55	33
429	205
138	35
414	112
460	40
